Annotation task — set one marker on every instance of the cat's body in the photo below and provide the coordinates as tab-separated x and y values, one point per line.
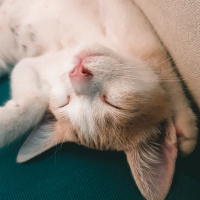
101	70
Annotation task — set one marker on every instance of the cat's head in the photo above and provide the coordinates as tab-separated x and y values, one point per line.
109	101
106	101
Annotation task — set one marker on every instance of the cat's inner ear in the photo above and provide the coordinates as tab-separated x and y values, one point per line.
153	163
43	137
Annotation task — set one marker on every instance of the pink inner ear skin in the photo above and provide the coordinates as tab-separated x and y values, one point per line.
169	157
153	166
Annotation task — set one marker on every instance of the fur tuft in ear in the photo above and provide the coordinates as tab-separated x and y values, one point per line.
152	164
43	137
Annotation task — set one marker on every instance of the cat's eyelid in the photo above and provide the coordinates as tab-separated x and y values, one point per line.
67	102
110	104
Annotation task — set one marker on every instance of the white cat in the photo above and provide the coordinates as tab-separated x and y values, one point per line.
95	73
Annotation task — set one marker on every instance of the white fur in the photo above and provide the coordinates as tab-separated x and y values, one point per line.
44	40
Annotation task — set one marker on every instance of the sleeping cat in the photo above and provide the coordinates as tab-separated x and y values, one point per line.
95	73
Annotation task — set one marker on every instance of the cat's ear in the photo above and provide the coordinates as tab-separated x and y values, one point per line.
153	163
43	137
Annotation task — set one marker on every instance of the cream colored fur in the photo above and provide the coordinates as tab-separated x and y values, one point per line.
145	112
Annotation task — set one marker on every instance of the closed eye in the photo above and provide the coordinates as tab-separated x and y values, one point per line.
66	103
108	103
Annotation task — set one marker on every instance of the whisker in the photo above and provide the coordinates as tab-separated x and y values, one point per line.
57	149
164	61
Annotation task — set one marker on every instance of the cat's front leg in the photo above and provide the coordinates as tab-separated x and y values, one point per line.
186	127
28	104
184	118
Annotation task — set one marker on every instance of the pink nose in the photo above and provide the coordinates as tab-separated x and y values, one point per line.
80	72
80	78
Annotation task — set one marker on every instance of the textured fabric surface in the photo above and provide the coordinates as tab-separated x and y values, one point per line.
178	25
72	172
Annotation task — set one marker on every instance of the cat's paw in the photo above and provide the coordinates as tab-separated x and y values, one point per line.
186	145
11	104
2	127
187	131
7	112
